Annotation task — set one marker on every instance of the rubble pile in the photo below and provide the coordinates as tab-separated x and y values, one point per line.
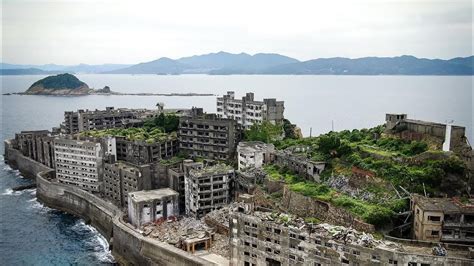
174	232
341	183
335	233
223	215
439	251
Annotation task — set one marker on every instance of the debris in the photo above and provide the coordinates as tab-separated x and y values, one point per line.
439	251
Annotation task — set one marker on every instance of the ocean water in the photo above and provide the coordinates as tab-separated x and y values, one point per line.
32	234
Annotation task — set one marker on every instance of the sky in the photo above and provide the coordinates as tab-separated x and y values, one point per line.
96	32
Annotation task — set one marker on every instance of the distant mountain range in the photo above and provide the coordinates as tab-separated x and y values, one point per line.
13	69
223	63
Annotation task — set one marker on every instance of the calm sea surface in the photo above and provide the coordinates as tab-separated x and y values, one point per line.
34	234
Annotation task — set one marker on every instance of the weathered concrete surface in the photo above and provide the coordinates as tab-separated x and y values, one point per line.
128	246
28	167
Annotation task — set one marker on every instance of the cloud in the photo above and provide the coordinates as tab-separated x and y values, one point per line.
71	32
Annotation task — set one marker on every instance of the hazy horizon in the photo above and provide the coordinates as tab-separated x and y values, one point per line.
110	32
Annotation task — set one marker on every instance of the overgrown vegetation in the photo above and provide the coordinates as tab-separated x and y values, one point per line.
265	131
394	162
61	81
149	135
167	123
374	213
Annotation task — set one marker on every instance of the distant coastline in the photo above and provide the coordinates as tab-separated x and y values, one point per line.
121	94
223	63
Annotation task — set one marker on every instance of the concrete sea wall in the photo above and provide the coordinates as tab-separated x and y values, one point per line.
129	247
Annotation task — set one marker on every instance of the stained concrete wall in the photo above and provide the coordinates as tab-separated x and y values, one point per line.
28	167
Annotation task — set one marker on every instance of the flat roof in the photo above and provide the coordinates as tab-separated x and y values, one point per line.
427	123
436	204
147	195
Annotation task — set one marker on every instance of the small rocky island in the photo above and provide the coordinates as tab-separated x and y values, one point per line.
69	85
62	84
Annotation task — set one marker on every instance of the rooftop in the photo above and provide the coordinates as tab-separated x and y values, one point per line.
210	170
447	205
147	195
426	123
254	145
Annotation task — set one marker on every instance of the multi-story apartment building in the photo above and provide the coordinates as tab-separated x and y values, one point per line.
443	219
121	178
265	237
207	189
79	162
37	145
206	135
84	120
247	111
142	152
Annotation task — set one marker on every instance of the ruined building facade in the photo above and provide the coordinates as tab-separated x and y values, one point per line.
207	189
37	145
84	120
152	205
142	152
205	135
247	111
79	162
443	219
121	178
258	238
300	164
254	154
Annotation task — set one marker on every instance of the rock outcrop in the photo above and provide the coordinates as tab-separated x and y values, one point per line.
62	84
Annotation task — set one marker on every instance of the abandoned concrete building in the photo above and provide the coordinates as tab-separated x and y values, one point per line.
79	162
83	120
265	237
449	137
247	180
207	189
400	123
254	154
142	152
443	219
300	164
205	135
176	174
247	111
148	206
121	178
37	145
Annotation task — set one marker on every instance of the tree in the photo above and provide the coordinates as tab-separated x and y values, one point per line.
266	132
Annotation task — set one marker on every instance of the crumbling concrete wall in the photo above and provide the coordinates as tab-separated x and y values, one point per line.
304	206
28	167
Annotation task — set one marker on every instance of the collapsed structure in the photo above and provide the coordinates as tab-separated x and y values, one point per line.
264	237
300	164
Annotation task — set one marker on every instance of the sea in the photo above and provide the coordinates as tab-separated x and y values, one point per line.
33	234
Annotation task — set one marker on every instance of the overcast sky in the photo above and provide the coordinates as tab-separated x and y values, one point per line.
95	32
